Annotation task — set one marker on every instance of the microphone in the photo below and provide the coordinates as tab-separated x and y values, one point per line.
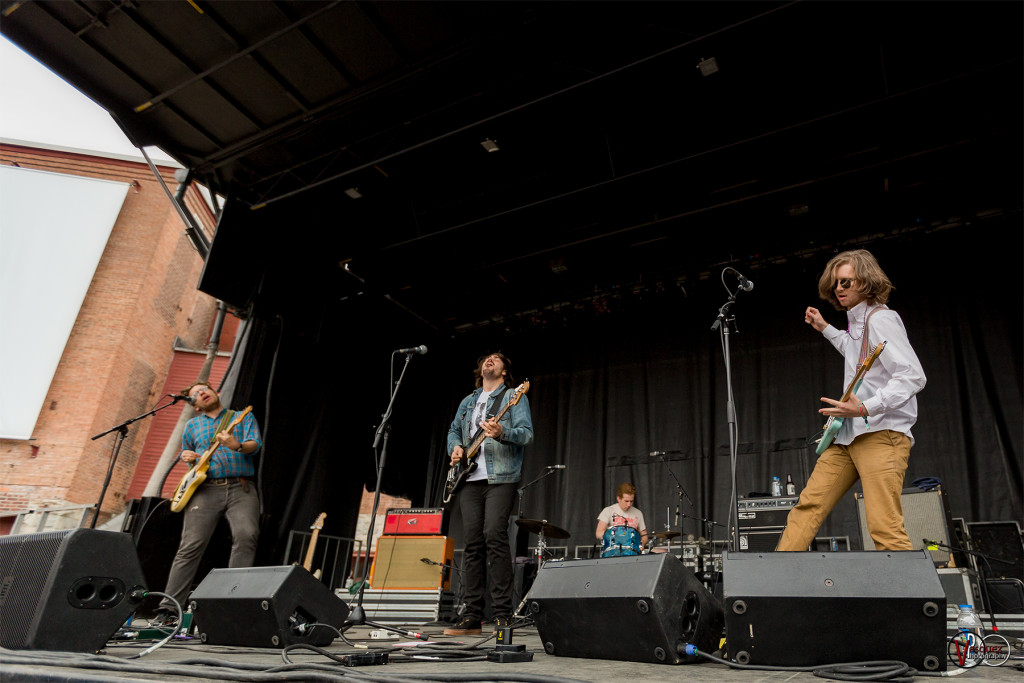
182	397
677	516
745	284
421	349
556	467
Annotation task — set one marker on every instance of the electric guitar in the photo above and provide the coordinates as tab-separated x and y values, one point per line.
197	475
317	526
460	471
834	423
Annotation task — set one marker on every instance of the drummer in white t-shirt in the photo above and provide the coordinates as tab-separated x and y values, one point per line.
622	514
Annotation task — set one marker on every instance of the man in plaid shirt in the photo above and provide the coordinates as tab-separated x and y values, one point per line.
228	491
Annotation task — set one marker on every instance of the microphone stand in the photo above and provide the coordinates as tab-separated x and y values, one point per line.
722	323
357	615
122	432
519	491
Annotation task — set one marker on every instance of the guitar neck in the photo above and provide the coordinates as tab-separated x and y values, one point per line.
308	562
474	447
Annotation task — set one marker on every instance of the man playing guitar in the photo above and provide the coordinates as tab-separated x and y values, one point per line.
874	442
487	497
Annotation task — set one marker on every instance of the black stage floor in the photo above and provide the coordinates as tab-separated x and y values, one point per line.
192	660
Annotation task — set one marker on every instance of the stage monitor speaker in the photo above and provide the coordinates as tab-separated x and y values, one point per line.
642	608
925	515
265	607
398	562
66	590
808	609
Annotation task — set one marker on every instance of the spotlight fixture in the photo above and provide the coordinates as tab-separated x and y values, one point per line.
708	66
354	192
490	145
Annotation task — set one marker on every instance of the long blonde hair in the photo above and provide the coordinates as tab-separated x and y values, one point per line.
871	280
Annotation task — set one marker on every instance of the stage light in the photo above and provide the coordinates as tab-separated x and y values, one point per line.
354	192
490	145
708	66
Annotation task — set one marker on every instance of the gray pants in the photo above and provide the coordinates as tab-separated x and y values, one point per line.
204	509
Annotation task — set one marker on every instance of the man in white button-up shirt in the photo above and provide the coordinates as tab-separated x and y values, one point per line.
874	442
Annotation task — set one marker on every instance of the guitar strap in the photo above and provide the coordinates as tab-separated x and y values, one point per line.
225	420
864	343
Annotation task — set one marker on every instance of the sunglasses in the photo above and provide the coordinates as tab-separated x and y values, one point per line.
845	282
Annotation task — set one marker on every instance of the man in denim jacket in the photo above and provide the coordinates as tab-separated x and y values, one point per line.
486	498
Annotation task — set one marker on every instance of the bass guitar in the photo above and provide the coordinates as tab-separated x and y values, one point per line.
834	423
460	471
197	475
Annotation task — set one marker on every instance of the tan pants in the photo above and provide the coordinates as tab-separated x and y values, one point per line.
879	460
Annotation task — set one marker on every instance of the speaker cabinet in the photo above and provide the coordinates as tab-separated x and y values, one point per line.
264	607
398	562
66	590
925	515
807	609
642	608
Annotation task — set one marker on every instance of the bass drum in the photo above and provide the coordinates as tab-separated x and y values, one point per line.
620	540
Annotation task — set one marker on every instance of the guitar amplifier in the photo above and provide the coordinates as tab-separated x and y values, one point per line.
416	522
761	513
399	563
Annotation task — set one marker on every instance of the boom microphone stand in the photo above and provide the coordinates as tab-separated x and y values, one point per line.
722	323
357	616
122	432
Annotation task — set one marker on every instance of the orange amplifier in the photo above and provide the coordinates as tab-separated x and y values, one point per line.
412	562
416	522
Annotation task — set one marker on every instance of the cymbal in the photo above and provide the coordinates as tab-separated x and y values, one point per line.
666	534
538	526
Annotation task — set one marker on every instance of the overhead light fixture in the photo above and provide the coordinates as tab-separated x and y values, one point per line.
354	192
490	145
708	66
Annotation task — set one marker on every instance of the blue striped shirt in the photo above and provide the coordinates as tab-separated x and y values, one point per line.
198	437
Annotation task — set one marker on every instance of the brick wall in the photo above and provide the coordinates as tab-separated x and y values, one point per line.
142	297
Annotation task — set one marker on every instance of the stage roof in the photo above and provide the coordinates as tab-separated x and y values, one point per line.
637	145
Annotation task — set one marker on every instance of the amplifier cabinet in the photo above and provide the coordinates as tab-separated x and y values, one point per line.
925	515
416	522
398	563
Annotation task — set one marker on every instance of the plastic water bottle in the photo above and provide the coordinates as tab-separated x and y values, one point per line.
967	620
776	487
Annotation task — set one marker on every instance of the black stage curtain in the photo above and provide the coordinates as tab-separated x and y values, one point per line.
616	379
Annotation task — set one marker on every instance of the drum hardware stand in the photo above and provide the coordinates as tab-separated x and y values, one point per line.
722	323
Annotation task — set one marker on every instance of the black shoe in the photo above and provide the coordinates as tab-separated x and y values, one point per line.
164	619
465	627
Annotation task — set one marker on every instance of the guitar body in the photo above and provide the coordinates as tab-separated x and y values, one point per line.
457	476
460	471
835	423
197	475
832	428
187	486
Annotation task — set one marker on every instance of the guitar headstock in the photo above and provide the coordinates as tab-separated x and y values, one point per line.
519	392
319	523
875	353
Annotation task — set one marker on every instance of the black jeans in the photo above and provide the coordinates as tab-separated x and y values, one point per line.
485	513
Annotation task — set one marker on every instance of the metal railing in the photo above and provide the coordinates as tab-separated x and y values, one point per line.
56	518
338	558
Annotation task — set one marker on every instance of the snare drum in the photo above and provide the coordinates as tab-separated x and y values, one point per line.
620	540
